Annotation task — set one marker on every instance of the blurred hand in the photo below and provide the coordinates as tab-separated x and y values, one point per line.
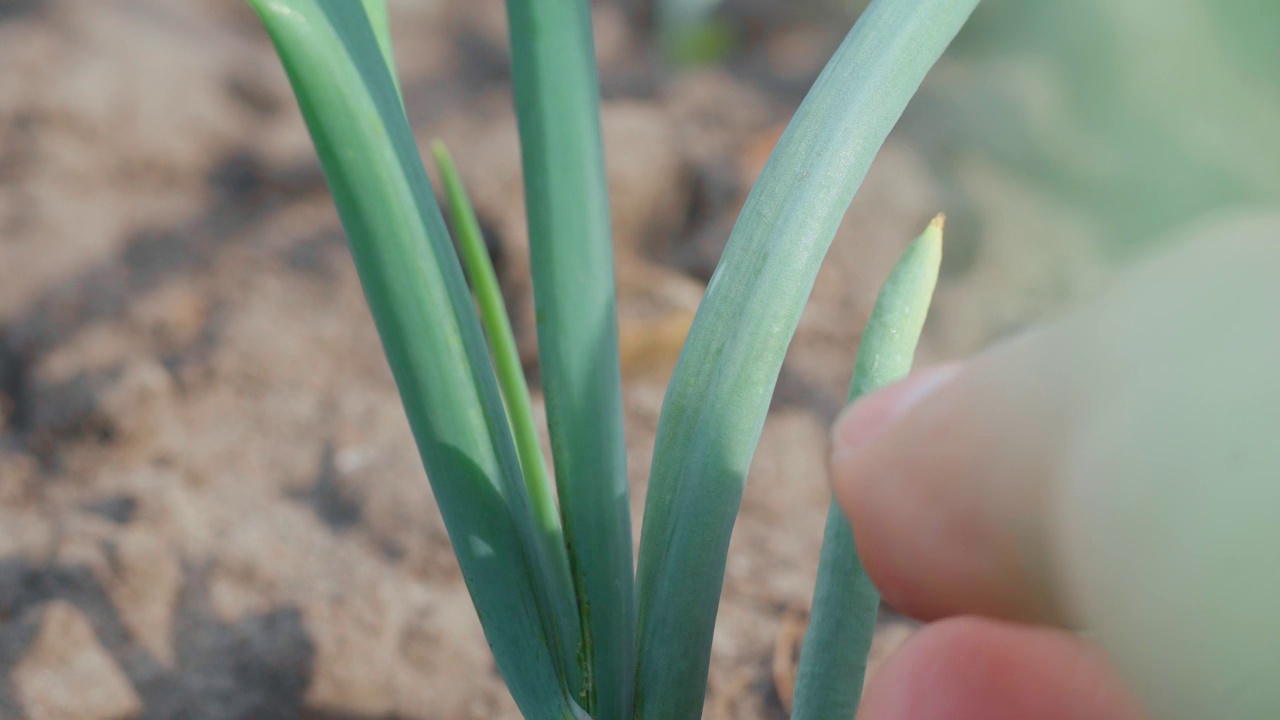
1117	472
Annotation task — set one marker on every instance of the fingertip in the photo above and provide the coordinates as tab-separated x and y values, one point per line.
944	477
871	491
862	424
868	417
974	669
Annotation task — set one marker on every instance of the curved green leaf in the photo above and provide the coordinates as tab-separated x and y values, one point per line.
431	335
719	395
833	659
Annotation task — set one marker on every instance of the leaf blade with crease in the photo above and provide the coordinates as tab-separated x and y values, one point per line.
566	192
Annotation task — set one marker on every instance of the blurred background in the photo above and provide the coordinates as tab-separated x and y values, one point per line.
210	504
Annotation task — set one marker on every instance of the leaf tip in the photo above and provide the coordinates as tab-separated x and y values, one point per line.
939	223
441	152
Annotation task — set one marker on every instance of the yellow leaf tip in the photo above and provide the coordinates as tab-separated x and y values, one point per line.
939	222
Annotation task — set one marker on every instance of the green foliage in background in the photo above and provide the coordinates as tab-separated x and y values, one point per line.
575	632
1128	119
691	33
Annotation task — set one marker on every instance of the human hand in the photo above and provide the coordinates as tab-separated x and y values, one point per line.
1116	472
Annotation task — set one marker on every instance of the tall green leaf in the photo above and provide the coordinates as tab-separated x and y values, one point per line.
833	659
431	336
557	104
717	400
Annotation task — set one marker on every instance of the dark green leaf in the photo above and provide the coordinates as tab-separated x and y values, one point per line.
557	104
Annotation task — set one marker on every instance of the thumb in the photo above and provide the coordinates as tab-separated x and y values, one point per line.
1118	471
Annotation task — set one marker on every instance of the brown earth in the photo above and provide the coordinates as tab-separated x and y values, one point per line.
210	504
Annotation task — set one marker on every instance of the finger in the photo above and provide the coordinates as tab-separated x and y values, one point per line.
971	669
1115	472
945	477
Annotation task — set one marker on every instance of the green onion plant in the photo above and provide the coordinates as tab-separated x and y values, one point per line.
546	547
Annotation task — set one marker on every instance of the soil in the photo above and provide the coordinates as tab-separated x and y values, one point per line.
210	503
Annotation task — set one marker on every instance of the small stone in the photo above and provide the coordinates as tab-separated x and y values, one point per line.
144	587
68	675
647	177
18	476
25	534
118	509
131	405
174	313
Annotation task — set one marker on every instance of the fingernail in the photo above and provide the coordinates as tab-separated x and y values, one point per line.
871	416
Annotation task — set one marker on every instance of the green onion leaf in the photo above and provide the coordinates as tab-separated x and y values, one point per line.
558	108
833	659
719	394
